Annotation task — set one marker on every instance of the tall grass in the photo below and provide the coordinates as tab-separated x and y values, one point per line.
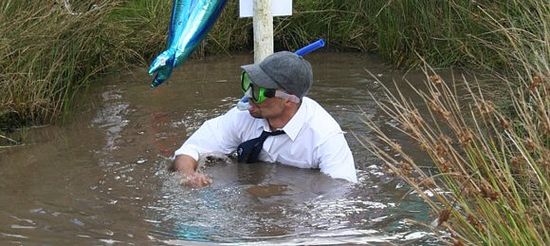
50	49
142	26
472	33
492	185
444	33
47	51
492	181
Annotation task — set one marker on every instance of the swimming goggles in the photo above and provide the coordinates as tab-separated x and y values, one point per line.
260	94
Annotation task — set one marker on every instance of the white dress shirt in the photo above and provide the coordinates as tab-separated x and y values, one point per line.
312	139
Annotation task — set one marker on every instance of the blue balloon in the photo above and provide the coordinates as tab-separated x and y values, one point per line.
190	22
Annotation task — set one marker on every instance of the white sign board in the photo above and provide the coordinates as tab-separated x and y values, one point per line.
278	8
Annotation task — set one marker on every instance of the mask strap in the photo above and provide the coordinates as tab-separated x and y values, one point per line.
287	96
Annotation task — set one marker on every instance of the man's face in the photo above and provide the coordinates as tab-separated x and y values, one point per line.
270	108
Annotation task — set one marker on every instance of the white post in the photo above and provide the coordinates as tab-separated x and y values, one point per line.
263	29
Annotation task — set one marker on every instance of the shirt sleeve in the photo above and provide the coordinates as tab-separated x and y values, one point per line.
217	135
335	158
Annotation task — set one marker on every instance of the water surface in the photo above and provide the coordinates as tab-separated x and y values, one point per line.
101	177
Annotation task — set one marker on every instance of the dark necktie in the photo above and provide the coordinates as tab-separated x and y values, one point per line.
250	150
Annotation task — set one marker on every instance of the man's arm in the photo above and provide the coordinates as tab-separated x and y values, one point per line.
335	158
215	135
187	167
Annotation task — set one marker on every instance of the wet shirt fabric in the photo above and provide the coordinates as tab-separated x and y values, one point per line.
312	139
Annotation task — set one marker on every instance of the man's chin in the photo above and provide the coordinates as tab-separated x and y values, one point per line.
255	114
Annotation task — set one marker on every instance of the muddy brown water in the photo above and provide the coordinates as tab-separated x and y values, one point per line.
101	178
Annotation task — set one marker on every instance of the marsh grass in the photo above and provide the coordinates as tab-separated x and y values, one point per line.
473	34
466	33
47	52
493	163
50	50
230	33
496	168
140	27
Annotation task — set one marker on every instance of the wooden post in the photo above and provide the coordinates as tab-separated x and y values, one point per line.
263	29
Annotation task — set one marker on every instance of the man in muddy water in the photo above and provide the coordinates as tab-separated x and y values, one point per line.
281	125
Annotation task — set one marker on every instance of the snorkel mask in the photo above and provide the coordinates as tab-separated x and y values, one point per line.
259	94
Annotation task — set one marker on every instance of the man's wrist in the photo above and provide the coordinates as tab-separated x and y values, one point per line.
185	164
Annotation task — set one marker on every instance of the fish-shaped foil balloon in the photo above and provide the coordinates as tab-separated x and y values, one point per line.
189	23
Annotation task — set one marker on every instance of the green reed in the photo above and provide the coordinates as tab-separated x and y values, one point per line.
496	167
494	161
49	50
445	33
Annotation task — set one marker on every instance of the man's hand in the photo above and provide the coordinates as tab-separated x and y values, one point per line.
187	166
195	180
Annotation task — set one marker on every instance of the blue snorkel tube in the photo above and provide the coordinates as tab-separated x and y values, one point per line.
243	103
310	47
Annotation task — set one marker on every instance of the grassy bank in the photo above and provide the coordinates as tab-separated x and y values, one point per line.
491	164
50	49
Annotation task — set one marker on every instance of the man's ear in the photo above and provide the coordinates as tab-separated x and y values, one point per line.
289	103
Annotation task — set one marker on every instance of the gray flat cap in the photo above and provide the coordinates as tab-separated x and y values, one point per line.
282	70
